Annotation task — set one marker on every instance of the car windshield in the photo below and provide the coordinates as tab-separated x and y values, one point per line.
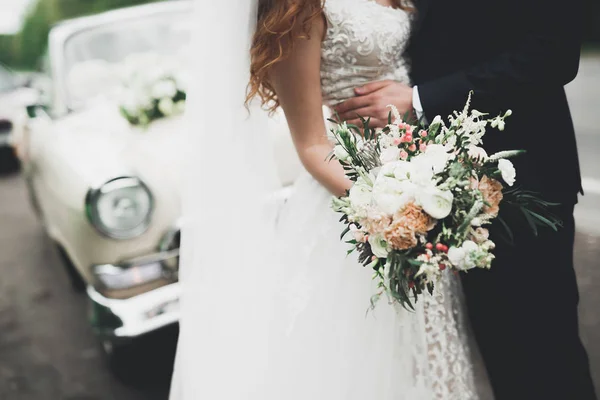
6	80
98	60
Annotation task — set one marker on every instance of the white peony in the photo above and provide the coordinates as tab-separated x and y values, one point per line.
390	154
508	171
166	106
360	194
379	246
435	202
391	194
397	169
438	156
422	170
461	257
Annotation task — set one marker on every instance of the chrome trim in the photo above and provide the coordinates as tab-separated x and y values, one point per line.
130	318
162	257
96	192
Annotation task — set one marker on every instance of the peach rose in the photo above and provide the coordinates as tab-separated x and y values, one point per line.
491	190
376	224
406	224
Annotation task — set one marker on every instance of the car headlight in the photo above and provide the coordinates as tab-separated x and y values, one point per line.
121	208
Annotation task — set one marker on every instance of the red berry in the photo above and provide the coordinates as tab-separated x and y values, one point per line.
411	285
442	267
408	137
445	250
429	246
439	247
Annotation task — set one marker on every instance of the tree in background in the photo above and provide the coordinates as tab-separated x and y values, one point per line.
25	49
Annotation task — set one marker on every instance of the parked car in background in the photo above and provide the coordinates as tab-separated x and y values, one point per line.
108	192
15	96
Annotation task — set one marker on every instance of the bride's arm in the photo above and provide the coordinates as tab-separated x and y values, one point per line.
297	82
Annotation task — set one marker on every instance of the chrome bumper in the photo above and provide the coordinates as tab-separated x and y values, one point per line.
129	318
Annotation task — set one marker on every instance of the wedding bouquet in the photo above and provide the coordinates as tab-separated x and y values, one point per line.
422	197
154	87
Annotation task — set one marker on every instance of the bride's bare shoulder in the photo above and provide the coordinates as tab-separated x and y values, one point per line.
283	28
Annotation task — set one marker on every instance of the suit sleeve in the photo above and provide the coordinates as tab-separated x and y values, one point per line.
548	55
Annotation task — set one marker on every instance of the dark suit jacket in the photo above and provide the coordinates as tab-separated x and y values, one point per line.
514	54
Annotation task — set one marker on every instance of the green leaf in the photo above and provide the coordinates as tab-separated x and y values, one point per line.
530	221
507	229
345	232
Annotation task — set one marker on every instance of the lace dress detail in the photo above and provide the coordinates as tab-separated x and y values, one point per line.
355	51
364	43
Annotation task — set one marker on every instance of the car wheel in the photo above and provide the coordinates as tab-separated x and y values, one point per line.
121	359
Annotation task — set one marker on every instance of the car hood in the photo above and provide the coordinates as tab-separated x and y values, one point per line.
100	145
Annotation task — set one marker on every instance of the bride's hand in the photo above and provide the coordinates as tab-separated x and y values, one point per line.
372	100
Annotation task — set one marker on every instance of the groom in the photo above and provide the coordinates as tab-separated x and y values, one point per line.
514	54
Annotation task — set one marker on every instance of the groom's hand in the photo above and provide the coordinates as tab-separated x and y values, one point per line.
373	99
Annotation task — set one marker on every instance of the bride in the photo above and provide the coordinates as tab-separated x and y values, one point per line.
271	307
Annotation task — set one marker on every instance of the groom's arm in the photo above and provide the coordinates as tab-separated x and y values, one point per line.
547	56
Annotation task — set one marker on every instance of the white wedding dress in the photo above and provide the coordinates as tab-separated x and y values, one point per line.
299	328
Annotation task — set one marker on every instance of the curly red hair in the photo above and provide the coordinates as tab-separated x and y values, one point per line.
280	23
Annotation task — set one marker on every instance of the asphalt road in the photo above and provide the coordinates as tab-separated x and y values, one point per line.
48	352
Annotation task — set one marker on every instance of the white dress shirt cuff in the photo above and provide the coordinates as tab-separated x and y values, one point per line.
418	107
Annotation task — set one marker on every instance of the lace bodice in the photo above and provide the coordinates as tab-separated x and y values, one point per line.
364	42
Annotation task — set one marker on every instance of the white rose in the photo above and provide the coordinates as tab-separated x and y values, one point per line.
508	171
477	152
360	194
391	194
390	154
340	153
436	202
379	246
166	106
166	88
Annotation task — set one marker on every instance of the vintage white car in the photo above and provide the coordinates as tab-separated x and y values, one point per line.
107	192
